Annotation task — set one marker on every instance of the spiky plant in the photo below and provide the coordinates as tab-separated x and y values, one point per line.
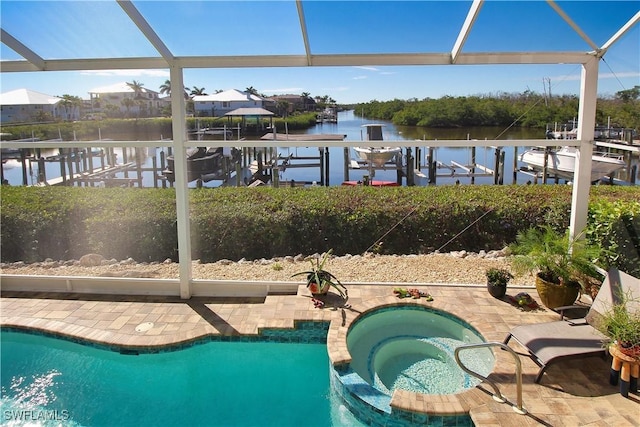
317	277
621	322
554	257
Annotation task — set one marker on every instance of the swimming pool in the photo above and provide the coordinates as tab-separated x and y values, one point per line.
217	383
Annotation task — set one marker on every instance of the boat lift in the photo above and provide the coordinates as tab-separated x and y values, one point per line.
454	169
409	166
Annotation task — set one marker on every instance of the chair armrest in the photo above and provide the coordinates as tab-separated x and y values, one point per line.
582	309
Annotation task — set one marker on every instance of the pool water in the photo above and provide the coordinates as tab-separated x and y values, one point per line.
57	382
412	348
418	364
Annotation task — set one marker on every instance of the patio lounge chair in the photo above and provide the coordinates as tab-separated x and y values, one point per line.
573	338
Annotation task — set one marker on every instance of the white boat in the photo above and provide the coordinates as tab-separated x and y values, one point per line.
601	133
562	134
562	162
377	156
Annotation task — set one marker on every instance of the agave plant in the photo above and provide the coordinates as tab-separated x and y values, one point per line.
319	280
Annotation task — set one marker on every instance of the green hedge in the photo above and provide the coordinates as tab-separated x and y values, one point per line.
252	223
615	226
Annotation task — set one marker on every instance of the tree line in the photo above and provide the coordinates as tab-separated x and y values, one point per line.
526	109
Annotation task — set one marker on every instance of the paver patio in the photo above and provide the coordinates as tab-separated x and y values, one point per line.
571	393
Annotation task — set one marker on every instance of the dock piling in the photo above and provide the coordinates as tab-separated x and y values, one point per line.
410	168
42	173
496	168
473	165
432	167
23	160
515	165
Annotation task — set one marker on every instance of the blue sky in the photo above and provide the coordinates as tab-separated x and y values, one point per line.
68	29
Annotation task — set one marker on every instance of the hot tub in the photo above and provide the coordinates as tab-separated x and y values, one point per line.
412	348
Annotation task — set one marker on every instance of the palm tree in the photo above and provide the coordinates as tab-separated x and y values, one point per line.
128	103
283	108
137	88
305	97
322	101
165	88
196	91
251	90
70	103
142	107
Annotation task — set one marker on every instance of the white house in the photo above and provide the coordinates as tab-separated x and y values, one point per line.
221	103
24	105
123	98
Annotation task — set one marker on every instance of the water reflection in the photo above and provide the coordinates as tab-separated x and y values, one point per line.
145	167
91	166
351	125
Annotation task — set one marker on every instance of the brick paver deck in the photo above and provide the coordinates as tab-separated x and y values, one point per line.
571	393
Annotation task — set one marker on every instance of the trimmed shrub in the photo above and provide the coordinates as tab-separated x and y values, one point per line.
615	225
252	223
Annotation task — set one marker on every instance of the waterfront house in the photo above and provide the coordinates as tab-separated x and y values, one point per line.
122	99
24	105
293	103
221	103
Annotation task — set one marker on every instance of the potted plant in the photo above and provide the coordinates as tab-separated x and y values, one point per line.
320	280
622	326
497	280
562	265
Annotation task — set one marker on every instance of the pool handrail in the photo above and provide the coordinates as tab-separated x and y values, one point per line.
498	396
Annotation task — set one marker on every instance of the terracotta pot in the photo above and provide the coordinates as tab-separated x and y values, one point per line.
553	295
319	290
631	350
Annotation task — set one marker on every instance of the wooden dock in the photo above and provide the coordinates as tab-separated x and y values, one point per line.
303	137
104	176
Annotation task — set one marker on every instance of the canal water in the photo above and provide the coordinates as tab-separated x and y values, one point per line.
412	137
351	126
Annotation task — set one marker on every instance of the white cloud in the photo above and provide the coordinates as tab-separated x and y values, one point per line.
619	75
126	73
577	77
359	77
367	68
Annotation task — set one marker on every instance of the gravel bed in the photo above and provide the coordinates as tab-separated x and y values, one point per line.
453	267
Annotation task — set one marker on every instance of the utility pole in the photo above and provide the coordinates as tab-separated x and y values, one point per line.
546	81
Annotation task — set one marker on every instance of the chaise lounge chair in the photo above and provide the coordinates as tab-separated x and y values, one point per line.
574	338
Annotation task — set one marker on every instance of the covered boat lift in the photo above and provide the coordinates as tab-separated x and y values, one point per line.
250	113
